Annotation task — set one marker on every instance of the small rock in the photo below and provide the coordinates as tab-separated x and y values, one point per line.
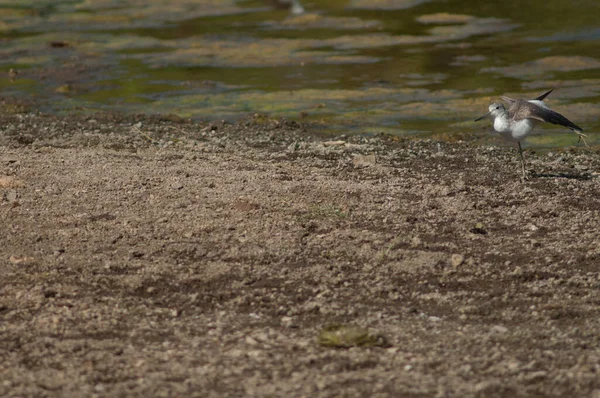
262	337
177	185
499	329
535	377
10	182
250	341
532	227
334	143
416	242
12	195
287	321
19	260
363	160
478	229
243	205
457	259
488	387
311	306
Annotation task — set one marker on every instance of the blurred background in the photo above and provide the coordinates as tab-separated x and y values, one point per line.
401	67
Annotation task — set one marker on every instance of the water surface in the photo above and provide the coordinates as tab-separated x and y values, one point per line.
352	66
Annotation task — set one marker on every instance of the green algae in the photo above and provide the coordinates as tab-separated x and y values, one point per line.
345	336
546	66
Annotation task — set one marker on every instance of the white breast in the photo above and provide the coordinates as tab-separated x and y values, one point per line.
513	130
502	124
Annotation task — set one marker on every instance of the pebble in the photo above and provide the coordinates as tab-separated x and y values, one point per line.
457	259
487	387
12	195
334	143
262	337
532	227
177	185
363	160
287	321
416	242
10	182
499	329
18	260
535	376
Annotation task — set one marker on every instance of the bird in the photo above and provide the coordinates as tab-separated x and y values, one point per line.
518	121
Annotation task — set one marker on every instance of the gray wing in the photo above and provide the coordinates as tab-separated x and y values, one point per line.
526	110
508	99
540	98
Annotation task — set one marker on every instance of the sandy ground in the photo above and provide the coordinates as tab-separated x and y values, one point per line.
150	257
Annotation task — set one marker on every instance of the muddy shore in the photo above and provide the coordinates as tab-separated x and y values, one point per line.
151	256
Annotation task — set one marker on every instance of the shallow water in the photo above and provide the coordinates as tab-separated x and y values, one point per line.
352	66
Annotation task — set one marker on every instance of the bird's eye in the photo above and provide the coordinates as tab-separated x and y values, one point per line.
497	107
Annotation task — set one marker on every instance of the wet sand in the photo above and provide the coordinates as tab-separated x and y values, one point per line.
149	256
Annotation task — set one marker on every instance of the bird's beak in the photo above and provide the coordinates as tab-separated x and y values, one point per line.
479	118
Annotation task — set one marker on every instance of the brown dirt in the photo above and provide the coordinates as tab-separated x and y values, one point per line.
177	259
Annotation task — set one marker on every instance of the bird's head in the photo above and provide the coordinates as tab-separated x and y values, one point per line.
495	109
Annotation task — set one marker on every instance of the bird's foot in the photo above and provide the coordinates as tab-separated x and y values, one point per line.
524	176
582	137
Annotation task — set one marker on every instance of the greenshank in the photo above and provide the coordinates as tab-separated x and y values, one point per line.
517	122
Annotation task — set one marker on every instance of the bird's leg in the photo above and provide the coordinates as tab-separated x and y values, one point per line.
581	138
522	161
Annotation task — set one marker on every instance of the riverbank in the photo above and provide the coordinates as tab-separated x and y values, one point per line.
153	256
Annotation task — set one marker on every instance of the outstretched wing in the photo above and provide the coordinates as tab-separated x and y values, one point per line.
508	99
526	110
557	118
541	97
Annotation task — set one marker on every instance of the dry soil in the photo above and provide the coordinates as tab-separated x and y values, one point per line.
149	256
